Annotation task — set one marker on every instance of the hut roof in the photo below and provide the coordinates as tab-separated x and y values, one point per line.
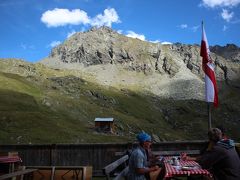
103	120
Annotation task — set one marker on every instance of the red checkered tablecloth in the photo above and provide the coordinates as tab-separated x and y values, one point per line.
172	171
10	159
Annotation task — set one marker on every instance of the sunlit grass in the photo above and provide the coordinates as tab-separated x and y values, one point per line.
53	106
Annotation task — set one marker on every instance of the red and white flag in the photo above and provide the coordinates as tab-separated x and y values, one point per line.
208	67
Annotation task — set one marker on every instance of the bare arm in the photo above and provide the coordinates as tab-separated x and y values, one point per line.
185	157
146	170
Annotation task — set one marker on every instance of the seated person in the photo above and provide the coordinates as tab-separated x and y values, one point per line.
223	130
211	143
222	159
138	166
152	159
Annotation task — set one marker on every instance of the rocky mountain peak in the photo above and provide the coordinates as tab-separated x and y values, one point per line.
104	29
100	46
232	47
230	52
111	56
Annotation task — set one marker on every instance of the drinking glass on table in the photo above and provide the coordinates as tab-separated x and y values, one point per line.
175	161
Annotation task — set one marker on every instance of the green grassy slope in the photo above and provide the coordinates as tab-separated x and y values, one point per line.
52	106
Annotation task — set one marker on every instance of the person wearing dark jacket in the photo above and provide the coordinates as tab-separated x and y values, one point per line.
222	159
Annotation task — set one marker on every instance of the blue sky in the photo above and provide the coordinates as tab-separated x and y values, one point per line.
30	28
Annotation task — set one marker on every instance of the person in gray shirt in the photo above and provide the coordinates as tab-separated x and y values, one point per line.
138	165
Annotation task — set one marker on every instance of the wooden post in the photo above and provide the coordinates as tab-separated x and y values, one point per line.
209	116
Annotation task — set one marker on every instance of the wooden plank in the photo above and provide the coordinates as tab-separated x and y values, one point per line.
237	147
17	173
13	153
53	173
122	174
119	153
89	171
166	153
173	153
109	168
84	172
22	168
57	171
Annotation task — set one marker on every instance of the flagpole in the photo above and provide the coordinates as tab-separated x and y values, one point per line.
209	115
210	80
209	109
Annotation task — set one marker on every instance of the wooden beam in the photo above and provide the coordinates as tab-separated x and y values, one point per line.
17	173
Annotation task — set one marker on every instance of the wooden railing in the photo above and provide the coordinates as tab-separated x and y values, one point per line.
107	170
19	173
96	155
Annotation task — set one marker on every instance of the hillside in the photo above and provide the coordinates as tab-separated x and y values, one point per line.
100	73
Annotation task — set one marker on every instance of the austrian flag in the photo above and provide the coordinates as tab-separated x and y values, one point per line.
208	67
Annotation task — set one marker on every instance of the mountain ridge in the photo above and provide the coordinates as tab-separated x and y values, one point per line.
106	55
143	86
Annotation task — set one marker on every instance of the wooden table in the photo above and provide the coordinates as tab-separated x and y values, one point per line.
11	160
177	171
62	172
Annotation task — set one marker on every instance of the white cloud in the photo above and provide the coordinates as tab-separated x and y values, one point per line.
135	35
183	26
195	28
166	42
225	28
220	3
71	33
54	43
156	41
109	16
25	46
227	16
61	17
120	31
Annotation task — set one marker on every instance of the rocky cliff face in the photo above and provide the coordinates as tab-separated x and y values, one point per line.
230	51
116	60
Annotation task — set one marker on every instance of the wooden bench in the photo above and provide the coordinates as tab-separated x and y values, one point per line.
111	168
17	173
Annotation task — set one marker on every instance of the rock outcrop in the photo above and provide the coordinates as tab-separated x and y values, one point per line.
229	52
113	58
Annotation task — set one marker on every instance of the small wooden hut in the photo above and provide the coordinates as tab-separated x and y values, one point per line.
104	125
